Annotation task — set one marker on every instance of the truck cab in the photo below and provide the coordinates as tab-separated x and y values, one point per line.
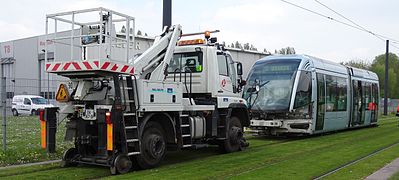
209	70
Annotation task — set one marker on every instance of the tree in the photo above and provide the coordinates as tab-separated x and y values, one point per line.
378	66
246	46
238	45
123	30
357	63
287	50
232	45
138	32
224	44
253	48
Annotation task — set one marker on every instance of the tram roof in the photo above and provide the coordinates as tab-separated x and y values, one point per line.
323	64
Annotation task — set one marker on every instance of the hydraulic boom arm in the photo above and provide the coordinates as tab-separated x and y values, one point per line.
153	63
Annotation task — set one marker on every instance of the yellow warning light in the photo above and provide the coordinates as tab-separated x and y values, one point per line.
191	42
207	34
62	94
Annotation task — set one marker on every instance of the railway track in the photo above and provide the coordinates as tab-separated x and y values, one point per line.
356	161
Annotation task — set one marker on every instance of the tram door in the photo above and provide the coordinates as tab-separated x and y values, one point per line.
358	103
375	102
321	102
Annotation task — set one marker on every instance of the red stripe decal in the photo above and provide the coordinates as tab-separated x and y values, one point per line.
47	66
105	65
132	71
87	65
56	66
124	68
114	67
76	65
96	63
66	65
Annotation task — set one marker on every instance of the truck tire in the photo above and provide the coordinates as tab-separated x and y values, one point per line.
68	156
14	112
234	137
153	146
122	165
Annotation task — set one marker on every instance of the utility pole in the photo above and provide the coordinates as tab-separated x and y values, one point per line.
386	80
167	13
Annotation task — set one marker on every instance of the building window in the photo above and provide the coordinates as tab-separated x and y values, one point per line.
51	95
10	95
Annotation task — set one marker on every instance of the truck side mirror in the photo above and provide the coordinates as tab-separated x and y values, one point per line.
239	69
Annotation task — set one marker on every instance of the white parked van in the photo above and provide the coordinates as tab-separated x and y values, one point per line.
28	104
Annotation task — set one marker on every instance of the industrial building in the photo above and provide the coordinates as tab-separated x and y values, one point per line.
22	63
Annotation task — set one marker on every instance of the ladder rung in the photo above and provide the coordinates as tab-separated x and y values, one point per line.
129	114
129	101
187	145
185	125
131	127
133	153
183	115
186	135
132	140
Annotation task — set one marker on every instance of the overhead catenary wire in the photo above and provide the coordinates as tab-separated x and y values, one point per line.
381	37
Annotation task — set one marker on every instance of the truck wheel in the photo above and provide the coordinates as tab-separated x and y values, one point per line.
153	146
234	137
122	165
14	112
68	156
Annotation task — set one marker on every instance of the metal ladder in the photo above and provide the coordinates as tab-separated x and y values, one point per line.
185	130
221	125
130	119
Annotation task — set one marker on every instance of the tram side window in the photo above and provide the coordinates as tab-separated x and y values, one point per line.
375	94
336	93
331	93
367	95
304	90
342	94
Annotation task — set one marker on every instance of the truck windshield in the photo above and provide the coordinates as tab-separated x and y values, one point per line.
39	101
275	79
184	61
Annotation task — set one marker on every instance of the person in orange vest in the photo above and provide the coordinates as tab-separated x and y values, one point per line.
372	106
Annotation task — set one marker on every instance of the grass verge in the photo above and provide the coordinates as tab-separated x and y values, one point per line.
271	158
23	142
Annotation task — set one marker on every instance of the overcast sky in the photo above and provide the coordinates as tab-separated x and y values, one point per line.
270	24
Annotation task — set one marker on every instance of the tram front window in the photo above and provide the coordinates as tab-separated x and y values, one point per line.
275	79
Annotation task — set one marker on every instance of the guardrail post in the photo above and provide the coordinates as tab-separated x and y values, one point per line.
50	116
3	104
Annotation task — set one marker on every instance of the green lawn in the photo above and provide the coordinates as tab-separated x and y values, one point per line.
23	142
272	158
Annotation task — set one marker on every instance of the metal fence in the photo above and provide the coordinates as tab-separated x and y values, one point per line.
392	105
27	86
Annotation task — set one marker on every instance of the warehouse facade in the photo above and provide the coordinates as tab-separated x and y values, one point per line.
23	66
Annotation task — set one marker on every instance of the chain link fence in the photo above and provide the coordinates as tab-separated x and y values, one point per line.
29	86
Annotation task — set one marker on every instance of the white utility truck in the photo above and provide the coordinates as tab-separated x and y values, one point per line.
177	94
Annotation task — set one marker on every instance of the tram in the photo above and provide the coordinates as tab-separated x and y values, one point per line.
301	94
